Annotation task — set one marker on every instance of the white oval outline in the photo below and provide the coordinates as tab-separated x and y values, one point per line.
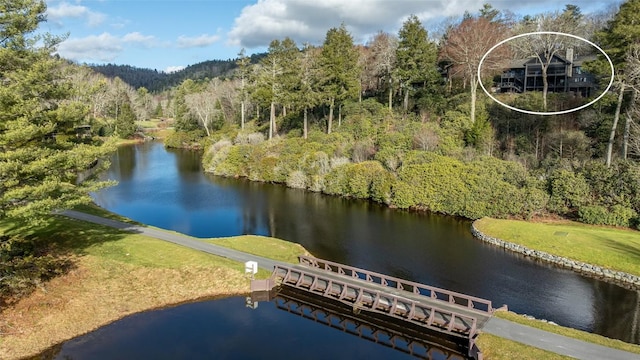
546	113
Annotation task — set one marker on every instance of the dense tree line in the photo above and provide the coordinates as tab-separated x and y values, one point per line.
433	106
156	81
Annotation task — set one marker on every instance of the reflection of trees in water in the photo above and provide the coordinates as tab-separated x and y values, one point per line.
125	160
619	313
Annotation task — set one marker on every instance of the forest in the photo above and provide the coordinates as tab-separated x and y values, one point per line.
401	120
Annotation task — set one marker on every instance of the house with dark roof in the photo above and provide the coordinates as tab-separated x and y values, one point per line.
564	74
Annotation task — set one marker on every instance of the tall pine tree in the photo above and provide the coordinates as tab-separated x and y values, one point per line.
339	72
38	166
416	58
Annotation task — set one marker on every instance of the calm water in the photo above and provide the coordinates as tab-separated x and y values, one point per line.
168	189
225	329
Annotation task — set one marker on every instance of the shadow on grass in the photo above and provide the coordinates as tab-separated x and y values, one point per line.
32	254
632	252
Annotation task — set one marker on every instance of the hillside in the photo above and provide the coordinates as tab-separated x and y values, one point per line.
155	80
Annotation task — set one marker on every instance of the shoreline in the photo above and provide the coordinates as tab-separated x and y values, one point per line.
626	280
51	350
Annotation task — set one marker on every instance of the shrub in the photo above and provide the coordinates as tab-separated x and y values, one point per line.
360	177
390	158
316	183
297	180
264	169
216	158
363	151
618	215
249	139
338	161
569	191
236	162
382	187
182	139
336	182
317	163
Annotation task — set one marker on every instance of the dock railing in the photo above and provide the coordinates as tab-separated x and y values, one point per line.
470	302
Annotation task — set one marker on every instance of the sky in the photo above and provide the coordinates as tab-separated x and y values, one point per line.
168	35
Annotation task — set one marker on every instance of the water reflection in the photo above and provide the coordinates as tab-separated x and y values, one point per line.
219	329
400	336
172	192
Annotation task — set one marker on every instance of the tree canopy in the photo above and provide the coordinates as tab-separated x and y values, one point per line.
40	154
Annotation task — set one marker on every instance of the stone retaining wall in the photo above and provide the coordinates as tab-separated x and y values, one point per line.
621	278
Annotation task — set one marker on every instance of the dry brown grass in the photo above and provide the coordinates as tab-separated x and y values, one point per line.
100	291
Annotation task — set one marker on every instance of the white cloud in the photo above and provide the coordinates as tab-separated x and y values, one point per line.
103	47
136	37
172	69
308	20
197	41
65	10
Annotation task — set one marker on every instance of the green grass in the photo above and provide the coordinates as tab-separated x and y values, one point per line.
612	248
572	333
263	246
497	348
148	124
77	237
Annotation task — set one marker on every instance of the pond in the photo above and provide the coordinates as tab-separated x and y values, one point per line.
168	189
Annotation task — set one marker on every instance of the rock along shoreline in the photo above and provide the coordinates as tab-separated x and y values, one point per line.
623	279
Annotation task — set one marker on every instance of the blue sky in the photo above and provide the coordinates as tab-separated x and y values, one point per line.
170	34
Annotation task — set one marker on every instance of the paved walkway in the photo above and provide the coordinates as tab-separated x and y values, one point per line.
503	328
177	238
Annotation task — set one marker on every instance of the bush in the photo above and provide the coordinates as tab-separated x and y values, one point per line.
382	187
390	158
618	215
236	162
249	139
360	178
264	169
297	180
569	191
336	182
181	139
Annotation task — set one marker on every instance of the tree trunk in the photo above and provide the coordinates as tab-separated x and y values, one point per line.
474	87
206	125
284	110
305	130
405	103
545	87
390	95
242	115
616	117
272	120
339	115
331	105
627	130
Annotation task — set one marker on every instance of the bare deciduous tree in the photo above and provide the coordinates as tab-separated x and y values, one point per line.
466	44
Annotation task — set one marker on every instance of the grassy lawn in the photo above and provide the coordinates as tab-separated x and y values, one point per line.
616	249
263	246
573	333
115	274
497	348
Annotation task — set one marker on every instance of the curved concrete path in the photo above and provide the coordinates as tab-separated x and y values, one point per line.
503	328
